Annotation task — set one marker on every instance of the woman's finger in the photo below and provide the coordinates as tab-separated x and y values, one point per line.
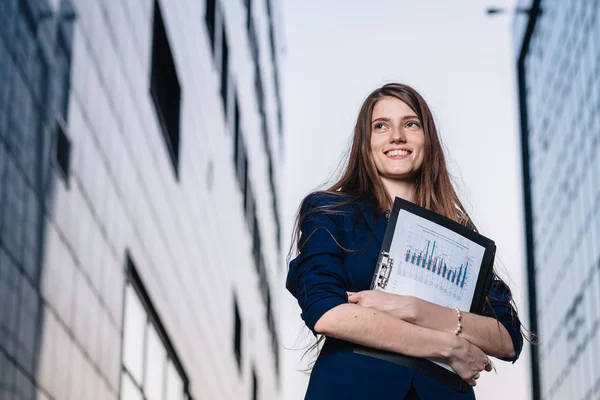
352	298
488	366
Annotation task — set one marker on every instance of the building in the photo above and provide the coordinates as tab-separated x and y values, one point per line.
558	61
140	149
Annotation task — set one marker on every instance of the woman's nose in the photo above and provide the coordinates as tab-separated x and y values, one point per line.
397	135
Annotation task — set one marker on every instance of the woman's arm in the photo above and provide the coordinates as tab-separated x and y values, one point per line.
485	332
318	279
372	328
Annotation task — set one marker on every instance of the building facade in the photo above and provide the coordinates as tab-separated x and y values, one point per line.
140	149
558	61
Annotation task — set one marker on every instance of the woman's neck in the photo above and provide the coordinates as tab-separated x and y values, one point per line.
397	188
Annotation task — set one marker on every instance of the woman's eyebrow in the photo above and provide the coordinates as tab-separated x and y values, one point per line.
404	118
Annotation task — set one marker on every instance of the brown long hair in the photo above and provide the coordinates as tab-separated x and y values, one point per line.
433	190
360	180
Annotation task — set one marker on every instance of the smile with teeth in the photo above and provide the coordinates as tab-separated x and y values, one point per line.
397	153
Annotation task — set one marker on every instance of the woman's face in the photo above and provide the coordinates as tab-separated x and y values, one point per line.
397	139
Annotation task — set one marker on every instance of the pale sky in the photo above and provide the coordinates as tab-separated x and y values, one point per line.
462	62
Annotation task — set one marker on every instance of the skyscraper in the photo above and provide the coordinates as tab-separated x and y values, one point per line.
140	149
558	59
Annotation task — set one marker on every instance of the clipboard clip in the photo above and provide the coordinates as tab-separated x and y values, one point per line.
384	269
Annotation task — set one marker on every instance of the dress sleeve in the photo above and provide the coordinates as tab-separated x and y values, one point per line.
316	277
500	308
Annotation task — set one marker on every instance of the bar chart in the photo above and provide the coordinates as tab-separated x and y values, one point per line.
437	265
436	261
432	262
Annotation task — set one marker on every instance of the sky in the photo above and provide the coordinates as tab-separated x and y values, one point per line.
462	62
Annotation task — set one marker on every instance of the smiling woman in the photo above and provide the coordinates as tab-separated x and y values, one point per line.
395	152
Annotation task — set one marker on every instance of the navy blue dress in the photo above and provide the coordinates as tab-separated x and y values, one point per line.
338	253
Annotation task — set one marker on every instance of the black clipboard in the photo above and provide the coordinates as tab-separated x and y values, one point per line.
384	268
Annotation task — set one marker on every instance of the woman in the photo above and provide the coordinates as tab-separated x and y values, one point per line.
395	152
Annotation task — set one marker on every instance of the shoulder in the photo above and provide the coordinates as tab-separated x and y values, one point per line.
499	289
328	201
329	209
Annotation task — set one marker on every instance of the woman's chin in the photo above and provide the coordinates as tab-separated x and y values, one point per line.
399	176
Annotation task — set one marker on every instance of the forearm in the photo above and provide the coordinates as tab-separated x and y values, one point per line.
372	328
484	332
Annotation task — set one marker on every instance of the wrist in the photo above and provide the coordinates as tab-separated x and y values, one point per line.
409	312
458	329
449	344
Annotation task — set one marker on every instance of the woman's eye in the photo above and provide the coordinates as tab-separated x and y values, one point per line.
412	124
379	126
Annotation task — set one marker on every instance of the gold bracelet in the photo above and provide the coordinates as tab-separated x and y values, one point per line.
459	325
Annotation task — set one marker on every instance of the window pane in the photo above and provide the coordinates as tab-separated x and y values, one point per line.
174	383
155	366
128	389
133	341
164	87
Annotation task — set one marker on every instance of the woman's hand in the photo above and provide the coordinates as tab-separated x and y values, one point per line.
467	360
398	306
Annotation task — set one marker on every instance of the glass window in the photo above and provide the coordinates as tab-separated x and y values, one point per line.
149	358
155	366
254	386
237	337
224	69
62	151
174	389
133	336
210	22
129	390
164	88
